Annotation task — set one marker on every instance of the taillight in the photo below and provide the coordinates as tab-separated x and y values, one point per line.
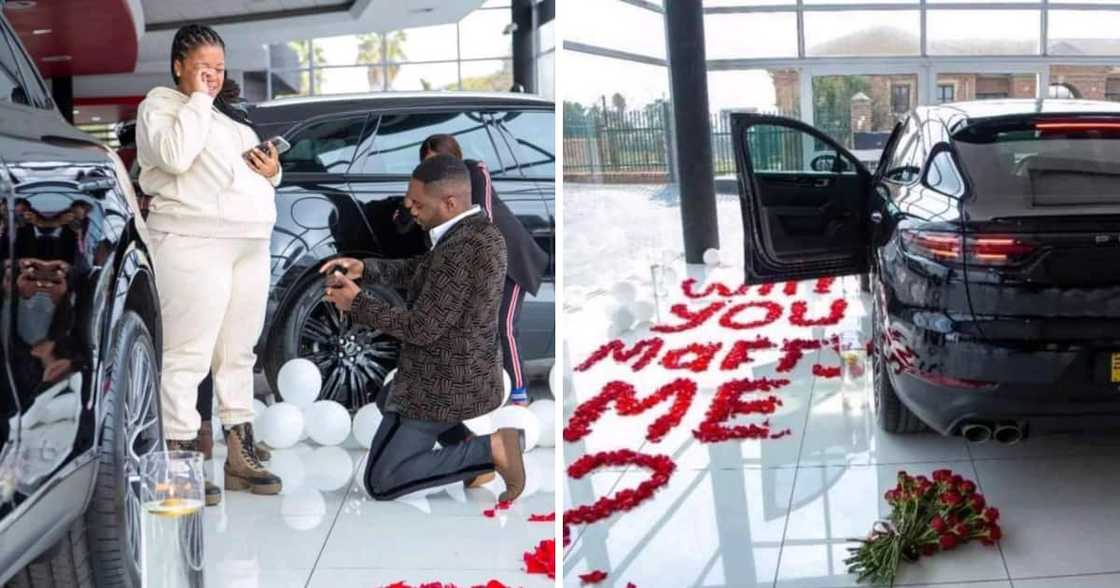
997	250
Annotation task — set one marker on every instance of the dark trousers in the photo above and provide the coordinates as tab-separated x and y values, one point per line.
205	404
513	297
402	461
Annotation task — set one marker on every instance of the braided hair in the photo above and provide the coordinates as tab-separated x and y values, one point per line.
228	101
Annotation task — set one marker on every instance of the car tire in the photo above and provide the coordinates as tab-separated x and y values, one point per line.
131	429
67	564
310	327
891	414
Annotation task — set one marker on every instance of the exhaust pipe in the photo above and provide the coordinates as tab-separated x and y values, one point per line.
976	432
1008	434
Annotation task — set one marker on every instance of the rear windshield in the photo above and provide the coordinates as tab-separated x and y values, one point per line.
1043	162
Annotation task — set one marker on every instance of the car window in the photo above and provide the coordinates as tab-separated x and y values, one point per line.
324	147
943	175
532	136
32	86
396	145
905	162
782	149
11	83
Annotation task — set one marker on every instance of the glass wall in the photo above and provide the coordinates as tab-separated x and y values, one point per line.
616	97
474	54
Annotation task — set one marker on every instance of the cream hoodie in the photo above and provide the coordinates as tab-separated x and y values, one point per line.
191	165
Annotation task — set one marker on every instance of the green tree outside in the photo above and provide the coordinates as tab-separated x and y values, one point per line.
376	48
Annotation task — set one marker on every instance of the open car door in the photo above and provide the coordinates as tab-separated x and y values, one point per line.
804	200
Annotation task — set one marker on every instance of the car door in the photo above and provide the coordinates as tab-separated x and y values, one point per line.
57	242
804	200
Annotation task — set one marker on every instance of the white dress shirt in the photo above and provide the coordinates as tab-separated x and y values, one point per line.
439	231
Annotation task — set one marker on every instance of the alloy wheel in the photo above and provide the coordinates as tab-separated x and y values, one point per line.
141	436
353	359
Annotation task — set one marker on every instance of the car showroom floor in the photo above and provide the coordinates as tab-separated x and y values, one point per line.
322	530
781	512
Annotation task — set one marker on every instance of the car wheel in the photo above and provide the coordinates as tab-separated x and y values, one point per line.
354	359
132	429
67	565
892	415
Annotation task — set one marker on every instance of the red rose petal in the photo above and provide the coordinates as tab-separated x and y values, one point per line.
541	560
593	577
542	518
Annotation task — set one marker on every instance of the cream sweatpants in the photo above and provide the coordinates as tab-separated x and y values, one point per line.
212	295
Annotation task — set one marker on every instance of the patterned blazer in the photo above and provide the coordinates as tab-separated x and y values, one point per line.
451	362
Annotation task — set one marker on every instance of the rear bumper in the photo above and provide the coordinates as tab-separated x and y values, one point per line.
1042	407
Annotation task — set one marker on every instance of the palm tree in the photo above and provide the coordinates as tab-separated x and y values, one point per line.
301	49
375	49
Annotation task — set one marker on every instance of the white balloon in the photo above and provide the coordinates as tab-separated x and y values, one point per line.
481	425
366	423
545	411
327	422
303	509
555	381
643	311
288	466
282	425
258	409
624	292
300	382
329	468
623	319
711	257
519	417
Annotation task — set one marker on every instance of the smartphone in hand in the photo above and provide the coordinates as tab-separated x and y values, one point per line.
281	145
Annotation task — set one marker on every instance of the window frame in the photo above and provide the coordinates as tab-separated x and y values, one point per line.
290	136
21	60
483	112
510	140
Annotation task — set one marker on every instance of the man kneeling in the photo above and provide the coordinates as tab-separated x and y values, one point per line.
450	364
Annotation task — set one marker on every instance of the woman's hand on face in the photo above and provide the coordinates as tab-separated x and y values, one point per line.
197	80
266	164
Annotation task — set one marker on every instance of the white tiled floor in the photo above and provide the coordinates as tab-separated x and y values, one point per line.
322	531
781	513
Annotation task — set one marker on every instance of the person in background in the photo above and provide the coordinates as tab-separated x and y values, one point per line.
211	217
526	261
450	369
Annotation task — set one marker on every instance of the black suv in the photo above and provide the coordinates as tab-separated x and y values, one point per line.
991	231
79	394
345	178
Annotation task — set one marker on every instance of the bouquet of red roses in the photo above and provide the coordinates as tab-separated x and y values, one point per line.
927	516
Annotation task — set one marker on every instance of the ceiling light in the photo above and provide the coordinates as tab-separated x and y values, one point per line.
96	119
42	31
19	5
56	58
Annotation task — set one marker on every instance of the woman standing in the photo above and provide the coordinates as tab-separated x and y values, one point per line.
211	216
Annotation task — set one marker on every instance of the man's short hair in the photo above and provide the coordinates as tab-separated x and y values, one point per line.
440	169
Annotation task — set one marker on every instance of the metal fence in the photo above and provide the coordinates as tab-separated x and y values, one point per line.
637	145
